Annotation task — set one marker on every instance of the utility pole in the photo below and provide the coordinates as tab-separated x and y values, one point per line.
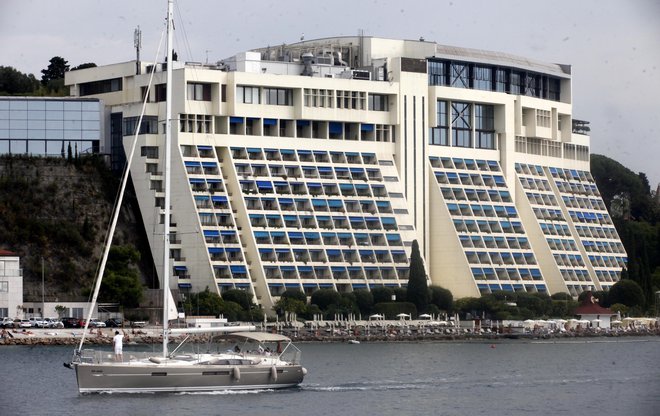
43	290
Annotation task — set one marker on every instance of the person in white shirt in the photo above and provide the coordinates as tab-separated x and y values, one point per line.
117	341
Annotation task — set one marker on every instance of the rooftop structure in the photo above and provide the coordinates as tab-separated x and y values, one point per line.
315	165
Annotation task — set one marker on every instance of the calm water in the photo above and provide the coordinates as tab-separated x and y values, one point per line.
597	377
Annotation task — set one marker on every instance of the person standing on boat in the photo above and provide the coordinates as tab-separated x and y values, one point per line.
117	341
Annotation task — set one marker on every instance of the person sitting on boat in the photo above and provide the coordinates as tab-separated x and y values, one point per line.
117	341
237	349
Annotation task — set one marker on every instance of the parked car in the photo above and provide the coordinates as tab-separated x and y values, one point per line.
7	323
95	323
114	323
39	323
138	324
70	322
53	323
23	323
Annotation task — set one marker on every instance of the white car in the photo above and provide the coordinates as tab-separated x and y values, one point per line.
95	323
23	323
53	323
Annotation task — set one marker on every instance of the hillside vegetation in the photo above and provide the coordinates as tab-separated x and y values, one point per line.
58	210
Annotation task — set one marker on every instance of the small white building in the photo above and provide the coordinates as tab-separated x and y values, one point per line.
597	316
11	285
57	309
205	322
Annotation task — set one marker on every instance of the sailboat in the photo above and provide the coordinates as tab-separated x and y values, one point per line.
264	361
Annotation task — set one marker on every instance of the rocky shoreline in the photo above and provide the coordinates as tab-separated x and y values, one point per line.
147	338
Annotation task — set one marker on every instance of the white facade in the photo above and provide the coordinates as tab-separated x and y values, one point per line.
49	309
11	285
317	164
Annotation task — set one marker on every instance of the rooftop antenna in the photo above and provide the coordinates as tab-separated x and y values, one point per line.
137	42
207	55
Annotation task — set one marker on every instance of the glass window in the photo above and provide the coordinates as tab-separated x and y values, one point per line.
461	124
36	105
100	87
500	80
553	89
55	134
54	105
484	121
483	78
378	102
517	82
439	135
18	146
37	147
36	134
533	85
198	92
247	95
18	134
36	124
91	106
459	75
72	106
90	115
278	96
438	72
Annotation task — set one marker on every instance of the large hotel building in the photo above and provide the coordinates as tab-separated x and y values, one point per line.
316	165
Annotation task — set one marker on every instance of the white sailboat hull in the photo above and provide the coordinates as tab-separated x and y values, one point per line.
148	378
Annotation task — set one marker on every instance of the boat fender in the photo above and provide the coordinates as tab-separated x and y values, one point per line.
304	371
237	373
273	373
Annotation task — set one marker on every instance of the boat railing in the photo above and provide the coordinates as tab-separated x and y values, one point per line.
90	356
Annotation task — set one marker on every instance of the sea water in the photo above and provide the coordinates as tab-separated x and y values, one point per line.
601	376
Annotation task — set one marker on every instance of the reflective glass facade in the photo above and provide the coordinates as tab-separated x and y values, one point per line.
48	126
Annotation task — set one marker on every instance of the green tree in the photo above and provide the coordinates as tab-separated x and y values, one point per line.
14	82
296	294
442	298
241	297
121	282
418	291
60	309
401	294
204	303
618	182
627	292
469	305
83	66
364	301
289	304
55	70
232	311
323	298
382	294
345	305
561	296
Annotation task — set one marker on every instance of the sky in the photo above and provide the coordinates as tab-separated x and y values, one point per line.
613	46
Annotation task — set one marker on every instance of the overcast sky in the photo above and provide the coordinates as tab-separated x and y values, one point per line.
612	46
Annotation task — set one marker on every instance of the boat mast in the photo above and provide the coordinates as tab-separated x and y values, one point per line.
168	145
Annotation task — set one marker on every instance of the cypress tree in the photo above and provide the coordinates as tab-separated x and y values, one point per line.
418	291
